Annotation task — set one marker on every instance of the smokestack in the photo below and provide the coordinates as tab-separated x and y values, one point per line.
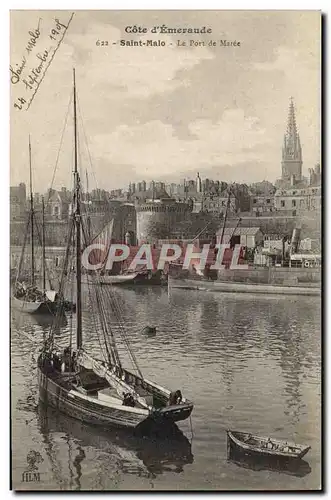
295	240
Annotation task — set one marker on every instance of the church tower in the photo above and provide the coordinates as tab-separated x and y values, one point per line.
292	152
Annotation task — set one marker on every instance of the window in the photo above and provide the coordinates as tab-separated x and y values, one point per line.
282	203
294	212
255	200
294	203
268	200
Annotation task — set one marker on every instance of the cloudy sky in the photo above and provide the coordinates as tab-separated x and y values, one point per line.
164	113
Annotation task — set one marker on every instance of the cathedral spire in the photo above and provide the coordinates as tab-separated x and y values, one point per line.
292	153
291	122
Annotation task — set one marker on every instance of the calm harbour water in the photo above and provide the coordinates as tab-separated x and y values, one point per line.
249	362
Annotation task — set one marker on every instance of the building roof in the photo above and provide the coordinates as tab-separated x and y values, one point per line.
56	196
295	191
155	194
248	231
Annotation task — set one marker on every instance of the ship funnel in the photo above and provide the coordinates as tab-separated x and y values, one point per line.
295	240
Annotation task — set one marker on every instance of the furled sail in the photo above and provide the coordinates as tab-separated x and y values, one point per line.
100	255
100	369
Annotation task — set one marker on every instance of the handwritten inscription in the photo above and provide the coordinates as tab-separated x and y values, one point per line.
29	72
34	35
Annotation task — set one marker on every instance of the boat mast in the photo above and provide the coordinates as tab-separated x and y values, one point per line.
78	231
226	215
32	216
88	209
43	246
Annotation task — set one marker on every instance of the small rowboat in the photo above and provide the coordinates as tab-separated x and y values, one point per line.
264	446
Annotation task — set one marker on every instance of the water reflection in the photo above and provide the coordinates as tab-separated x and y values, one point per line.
263	327
294	467
43	322
247	362
146	456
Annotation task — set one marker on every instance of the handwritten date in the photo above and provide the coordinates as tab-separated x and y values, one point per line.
54	32
31	75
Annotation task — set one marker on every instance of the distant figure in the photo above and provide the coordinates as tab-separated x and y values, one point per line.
179	397
128	399
175	398
57	361
73	361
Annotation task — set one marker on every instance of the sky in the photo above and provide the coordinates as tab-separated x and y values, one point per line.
164	113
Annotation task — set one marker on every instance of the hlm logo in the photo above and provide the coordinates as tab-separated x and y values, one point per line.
32	475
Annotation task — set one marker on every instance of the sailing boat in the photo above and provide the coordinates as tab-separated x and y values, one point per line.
101	391
28	297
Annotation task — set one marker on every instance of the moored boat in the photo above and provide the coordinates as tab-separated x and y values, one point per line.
118	279
100	391
45	306
249	444
27	297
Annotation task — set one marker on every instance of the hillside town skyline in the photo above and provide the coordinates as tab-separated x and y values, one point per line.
201	188
88	175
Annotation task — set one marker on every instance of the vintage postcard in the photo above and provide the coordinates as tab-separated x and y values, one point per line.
165	250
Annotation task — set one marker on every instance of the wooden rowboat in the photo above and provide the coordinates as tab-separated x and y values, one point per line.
246	443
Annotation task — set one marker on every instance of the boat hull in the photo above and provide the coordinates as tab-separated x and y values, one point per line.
118	280
87	409
139	278
65	401
236	444
34	307
231	287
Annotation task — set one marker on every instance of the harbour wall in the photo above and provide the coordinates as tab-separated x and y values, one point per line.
271	275
257	275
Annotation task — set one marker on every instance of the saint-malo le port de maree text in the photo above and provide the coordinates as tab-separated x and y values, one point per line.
141	30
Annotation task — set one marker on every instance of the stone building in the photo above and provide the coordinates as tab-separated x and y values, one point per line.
18	201
239	199
248	237
157	216
262	203
57	204
298	200
315	175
